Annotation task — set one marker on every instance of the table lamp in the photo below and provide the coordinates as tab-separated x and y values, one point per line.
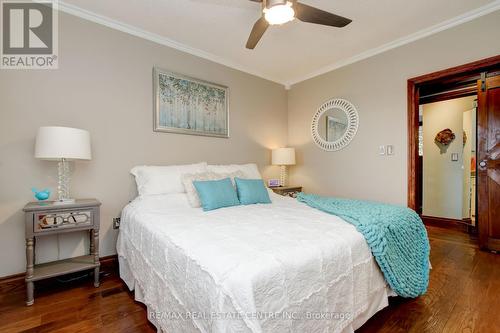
62	144
283	157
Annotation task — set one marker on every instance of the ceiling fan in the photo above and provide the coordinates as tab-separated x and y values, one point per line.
277	12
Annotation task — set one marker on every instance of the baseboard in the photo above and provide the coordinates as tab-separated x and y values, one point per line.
455	224
10	282
109	263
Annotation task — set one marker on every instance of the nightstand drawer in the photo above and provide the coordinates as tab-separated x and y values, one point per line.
51	221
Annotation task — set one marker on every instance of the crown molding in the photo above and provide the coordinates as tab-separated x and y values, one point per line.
134	31
469	16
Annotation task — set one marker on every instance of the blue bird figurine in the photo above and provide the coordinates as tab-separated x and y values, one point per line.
41	195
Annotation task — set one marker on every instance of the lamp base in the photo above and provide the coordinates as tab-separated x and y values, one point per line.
63	182
283	175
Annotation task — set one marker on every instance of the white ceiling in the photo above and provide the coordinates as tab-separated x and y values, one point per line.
218	30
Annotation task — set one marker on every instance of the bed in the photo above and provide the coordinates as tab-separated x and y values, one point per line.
280	267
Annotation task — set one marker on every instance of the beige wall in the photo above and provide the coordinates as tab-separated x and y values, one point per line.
443	179
104	85
377	87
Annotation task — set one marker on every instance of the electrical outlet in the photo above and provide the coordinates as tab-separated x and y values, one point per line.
116	222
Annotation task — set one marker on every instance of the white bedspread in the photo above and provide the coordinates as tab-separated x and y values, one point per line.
281	267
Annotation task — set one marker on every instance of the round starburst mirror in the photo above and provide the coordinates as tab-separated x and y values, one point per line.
334	124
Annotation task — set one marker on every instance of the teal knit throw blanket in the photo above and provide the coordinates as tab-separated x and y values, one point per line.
395	235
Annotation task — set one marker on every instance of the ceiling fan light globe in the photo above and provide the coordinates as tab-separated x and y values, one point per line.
279	14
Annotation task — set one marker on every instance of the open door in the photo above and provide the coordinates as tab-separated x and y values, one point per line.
488	156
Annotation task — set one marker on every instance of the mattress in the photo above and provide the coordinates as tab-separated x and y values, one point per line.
280	267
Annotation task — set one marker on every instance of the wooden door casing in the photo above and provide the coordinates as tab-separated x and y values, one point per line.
488	170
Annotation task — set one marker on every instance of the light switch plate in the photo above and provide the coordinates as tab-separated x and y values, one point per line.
381	150
390	150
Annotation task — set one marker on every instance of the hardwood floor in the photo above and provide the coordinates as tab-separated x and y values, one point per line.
74	307
463	296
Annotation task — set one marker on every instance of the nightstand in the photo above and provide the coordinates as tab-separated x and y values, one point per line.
46	218
290	191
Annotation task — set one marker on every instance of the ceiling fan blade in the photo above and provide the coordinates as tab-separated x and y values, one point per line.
310	14
257	31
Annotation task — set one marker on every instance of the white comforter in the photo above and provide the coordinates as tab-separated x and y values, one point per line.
281	267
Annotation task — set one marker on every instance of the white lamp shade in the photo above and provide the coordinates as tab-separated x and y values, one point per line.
283	156
55	143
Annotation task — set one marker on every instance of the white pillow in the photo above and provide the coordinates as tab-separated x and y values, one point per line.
250	170
163	179
192	194
161	202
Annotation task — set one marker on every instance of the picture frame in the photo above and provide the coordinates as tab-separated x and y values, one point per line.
186	105
273	183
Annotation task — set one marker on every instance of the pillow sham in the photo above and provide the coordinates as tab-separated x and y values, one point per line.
163	202
153	180
250	170
216	194
188	178
251	191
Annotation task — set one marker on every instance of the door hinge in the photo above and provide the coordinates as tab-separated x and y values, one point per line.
483	81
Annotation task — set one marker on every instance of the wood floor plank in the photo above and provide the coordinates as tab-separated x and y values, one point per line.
20	324
83	326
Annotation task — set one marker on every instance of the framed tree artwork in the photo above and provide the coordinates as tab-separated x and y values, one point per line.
187	105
